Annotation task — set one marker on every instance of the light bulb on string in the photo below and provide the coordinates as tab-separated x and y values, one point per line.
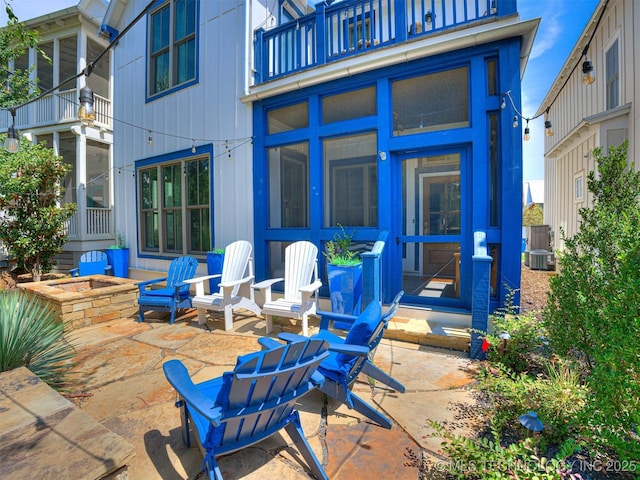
150	139
527	134
515	121
193	146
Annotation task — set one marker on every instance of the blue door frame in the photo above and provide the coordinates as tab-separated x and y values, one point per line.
444	286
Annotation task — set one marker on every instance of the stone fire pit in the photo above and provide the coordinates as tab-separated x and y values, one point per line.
84	301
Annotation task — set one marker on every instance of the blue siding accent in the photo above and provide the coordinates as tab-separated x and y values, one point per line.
471	142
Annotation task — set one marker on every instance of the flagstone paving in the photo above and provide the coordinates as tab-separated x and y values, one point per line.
120	383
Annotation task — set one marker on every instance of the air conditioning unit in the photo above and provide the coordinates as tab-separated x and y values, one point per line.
540	259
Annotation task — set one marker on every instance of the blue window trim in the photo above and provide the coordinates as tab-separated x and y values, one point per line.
153	97
206	149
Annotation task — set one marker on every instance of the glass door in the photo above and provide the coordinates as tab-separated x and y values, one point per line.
431	228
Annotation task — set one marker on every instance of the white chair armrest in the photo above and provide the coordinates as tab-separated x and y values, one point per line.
266	283
312	287
233	283
199	282
201	279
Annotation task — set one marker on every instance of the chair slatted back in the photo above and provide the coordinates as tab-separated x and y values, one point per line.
265	387
93	262
301	268
181	269
237	256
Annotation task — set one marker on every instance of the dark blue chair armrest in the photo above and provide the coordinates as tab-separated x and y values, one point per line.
178	377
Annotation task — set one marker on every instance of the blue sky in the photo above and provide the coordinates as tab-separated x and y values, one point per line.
561	24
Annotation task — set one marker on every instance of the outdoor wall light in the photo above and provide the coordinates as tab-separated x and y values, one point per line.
86	113
428	18
12	142
588	77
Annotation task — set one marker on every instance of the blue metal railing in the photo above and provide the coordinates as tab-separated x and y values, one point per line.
353	27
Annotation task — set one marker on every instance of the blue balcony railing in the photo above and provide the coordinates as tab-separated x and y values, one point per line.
354	27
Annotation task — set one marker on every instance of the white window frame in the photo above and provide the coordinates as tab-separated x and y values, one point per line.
615	38
578	187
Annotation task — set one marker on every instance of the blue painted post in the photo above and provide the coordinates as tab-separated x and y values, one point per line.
400	7
372	271
481	285
321	40
258	51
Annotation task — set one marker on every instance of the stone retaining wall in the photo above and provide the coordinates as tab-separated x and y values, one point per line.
84	301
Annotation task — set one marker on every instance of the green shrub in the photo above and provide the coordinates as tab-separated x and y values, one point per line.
488	459
527	338
32	336
557	397
593	312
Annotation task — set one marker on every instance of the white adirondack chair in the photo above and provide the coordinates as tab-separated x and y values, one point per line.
301	286
235	286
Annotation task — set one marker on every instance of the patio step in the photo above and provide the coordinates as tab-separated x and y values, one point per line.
430	333
426	326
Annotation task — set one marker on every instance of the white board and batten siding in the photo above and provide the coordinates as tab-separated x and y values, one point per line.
580	119
209	112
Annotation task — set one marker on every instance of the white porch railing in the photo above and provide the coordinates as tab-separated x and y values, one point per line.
56	108
98	224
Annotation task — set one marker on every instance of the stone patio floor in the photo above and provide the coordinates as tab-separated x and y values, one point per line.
120	383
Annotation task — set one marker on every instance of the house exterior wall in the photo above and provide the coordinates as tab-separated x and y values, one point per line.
207	115
53	119
221	117
580	117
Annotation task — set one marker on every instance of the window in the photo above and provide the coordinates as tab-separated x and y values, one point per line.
492	77
358	33
174	206
494	172
349	105
289	186
68	62
172	45
431	102
578	187
288	118
351	181
613	75
97	165
45	66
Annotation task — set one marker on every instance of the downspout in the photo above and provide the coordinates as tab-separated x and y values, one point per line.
248	47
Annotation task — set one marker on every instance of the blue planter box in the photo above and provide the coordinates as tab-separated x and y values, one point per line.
214	267
345	288
118	258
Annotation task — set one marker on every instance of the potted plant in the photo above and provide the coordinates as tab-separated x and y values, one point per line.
215	260
344	272
118	257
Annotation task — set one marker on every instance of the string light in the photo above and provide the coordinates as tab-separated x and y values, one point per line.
12	142
193	146
150	139
515	121
588	77
527	135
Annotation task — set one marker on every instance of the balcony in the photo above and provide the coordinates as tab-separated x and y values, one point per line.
355	27
98	224
57	108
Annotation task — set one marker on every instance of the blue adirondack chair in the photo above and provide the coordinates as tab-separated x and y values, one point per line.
93	262
251	403
174	295
352	355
